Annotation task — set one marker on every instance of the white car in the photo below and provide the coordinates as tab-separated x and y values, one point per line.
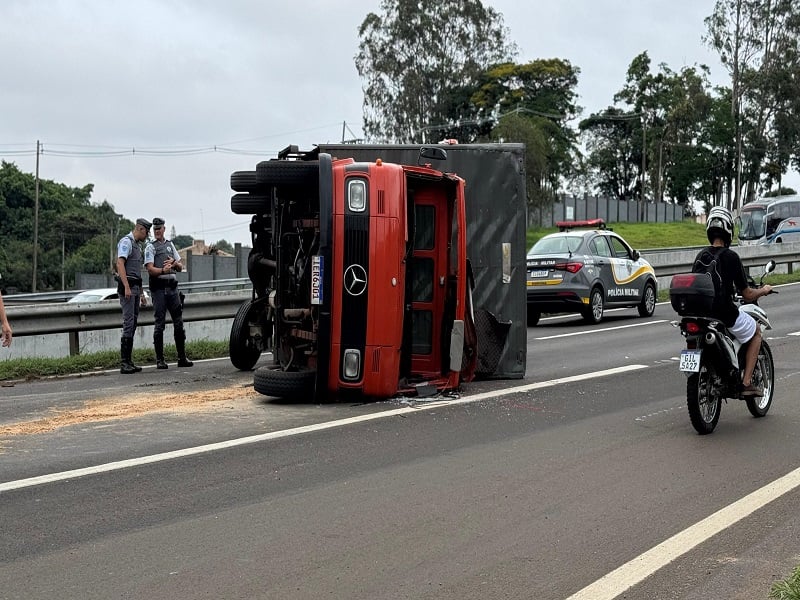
101	294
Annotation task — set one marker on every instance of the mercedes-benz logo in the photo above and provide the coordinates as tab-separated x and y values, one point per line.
355	280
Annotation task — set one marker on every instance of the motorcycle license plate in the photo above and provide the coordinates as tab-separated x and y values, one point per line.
690	361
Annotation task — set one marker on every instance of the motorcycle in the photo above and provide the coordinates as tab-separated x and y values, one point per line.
713	359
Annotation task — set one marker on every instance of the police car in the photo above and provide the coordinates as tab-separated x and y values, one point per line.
586	271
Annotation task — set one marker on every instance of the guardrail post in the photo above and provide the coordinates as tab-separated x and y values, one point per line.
74	346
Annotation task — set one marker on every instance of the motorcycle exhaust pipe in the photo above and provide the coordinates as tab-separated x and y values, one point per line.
710	338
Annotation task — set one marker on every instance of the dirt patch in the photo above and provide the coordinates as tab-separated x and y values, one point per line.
134	405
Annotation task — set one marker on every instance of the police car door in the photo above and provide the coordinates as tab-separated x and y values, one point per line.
602	254
626	287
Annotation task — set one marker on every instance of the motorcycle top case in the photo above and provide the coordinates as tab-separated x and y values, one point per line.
692	294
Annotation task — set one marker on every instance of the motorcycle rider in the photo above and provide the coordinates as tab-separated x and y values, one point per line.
719	230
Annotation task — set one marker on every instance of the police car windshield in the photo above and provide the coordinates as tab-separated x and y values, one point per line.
559	244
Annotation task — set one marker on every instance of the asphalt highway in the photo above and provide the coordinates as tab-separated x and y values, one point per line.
585	479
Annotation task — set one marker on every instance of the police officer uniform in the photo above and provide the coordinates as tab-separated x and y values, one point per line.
166	297
129	277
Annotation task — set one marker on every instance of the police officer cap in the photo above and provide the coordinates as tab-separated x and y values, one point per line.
144	223
158	221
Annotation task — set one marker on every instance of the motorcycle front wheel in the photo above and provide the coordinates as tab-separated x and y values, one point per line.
763	377
703	398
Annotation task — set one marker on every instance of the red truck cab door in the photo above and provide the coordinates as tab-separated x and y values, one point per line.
427	274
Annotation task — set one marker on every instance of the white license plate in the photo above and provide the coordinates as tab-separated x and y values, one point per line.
690	361
541	273
317	273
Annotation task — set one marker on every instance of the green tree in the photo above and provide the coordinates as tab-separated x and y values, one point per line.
614	155
182	241
758	42
672	107
74	234
413	54
543	91
225	246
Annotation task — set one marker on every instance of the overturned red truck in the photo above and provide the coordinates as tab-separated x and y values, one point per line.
361	277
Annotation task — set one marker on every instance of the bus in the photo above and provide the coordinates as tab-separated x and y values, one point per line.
759	219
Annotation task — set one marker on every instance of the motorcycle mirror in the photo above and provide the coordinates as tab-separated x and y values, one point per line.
769	267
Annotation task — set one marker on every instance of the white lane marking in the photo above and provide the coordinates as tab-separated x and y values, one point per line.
562	335
274	435
794	333
625	577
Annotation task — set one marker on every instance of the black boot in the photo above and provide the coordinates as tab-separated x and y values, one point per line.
158	343
180	346
125	349
135	366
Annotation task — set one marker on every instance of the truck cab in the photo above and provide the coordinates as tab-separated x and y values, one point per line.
360	277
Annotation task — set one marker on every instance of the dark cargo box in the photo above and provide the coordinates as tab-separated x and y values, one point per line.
692	294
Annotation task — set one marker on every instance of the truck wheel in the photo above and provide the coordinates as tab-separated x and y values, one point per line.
245	350
244	181
277	173
250	204
272	381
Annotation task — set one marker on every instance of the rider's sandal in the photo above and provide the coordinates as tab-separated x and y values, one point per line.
751	391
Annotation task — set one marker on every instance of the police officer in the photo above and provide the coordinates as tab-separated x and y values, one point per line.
163	261
129	286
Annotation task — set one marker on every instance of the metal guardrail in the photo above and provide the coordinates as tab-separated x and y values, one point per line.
681	261
44	319
186	287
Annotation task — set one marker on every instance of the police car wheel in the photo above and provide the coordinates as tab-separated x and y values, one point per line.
648	304
593	313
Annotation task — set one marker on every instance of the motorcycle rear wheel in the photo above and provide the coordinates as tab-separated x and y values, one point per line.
763	377
703	399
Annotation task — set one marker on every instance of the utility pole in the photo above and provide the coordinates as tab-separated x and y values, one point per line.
36	220
644	163
63	256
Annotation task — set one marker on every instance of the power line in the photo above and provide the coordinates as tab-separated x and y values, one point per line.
106	151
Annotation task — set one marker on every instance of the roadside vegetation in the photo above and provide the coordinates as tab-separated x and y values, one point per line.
788	589
645	236
32	368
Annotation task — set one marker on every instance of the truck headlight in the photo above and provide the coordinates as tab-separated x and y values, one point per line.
352	364
357	195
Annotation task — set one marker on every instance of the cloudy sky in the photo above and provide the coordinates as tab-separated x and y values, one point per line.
147	99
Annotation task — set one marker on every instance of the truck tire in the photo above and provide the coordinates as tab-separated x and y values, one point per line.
287	173
272	381
251	204
244	351
244	181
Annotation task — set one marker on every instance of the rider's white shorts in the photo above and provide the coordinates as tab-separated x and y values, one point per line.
745	327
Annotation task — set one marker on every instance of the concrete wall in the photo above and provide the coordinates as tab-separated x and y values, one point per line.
57	345
601	207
